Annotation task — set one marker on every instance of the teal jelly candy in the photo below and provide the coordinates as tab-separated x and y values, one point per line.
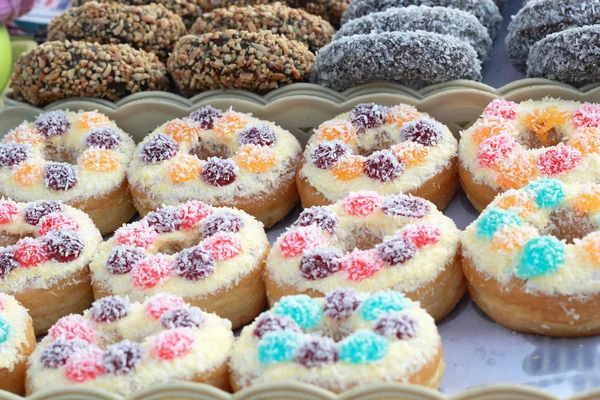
381	303
494	219
4	330
278	347
541	256
548	192
363	347
306	312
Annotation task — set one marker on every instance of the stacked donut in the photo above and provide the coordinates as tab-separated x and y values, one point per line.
413	42
557	39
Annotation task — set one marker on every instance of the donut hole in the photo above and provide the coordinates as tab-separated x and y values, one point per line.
369	144
568	224
205	150
172	246
362	238
60	154
531	140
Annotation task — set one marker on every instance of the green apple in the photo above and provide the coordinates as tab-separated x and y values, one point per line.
5	58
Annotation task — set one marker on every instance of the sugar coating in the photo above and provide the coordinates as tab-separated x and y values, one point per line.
484	10
413	59
15	319
442	20
335	354
207	347
364	270
570	56
538	19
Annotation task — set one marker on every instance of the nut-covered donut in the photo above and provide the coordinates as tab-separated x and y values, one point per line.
17	342
338	342
295	24
78	158
569	56
368	242
531	259
151	28
538	19
512	144
222	158
256	61
59	70
384	149
413	59
212	257
124	347
45	251
486	11
445	21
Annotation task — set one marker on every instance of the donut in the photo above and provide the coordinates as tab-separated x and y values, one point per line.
212	257
59	70
222	158
188	10
343	340
79	158
45	251
570	56
295	24
384	149
538	19
151	28
369	242
486	11
445	21
124	347
531	258
17	342
413	59
512	144
257	61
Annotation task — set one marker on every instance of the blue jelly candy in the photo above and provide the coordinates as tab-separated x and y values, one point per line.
4	330
541	256
494	219
278	347
380	303
363	347
306	312
548	192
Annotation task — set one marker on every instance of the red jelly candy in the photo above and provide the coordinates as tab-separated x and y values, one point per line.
495	148
361	264
137	234
558	159
422	235
172	344
587	116
296	242
150	271
83	365
501	108
191	213
360	204
161	303
8	209
72	327
55	221
30	252
222	246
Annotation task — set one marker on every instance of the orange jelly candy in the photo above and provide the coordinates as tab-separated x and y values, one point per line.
348	168
522	204
25	135
27	174
588	200
542	121
336	130
255	158
399	115
511	238
181	130
410	153
99	160
591	245
93	119
488	128
230	123
586	140
514	171
184	168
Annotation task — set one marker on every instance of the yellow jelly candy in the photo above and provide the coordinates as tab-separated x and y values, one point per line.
348	168
511	238
24	134
410	153
542	121
336	130
514	171
401	114
27	174
99	160
586	140
230	124
181	130
588	200
488	128
184	168
591	245
519	202
255	158
93	119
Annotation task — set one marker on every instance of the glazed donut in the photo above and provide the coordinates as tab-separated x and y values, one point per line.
151	28
538	19
78	158
295	24
486	11
257	61
124	347
338	342
17	342
413	59
212	257
512	144
384	149
222	158
49	73
570	56
369	243
445	21
45	251
531	259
